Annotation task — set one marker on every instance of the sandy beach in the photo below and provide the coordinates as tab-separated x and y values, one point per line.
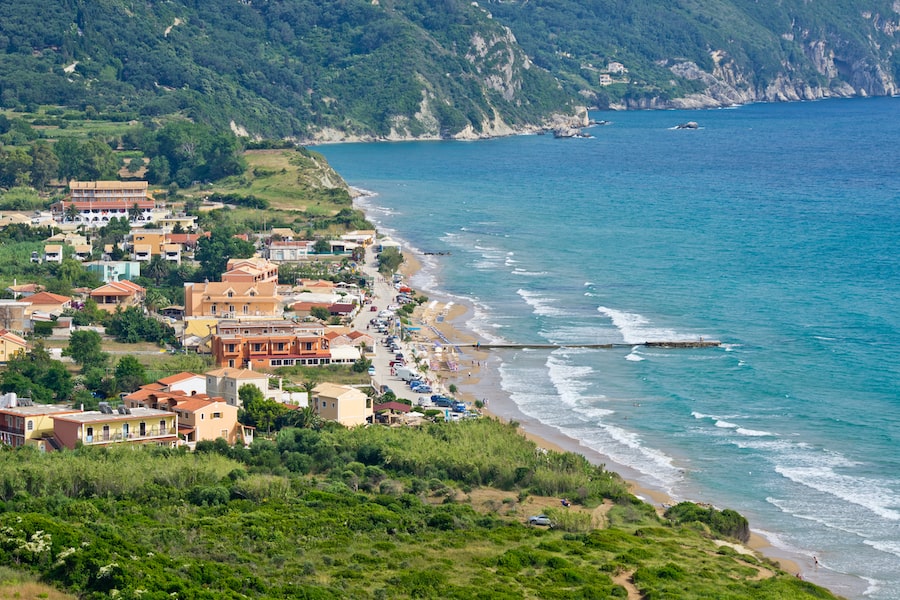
441	320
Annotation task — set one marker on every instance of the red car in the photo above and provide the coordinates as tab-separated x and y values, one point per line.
373	308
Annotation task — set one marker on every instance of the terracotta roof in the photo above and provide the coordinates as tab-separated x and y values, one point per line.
233	373
47	298
177	377
10	336
398	406
118	288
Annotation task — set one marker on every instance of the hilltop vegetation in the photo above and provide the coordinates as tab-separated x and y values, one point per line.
311	69
363	513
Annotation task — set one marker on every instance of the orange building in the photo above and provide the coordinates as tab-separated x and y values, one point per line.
118	293
266	344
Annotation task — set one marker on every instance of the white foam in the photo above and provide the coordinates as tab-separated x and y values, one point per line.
753	432
637	329
635	357
870	494
524	273
888	546
541	305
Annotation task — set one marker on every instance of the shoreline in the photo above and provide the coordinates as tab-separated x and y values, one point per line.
479	379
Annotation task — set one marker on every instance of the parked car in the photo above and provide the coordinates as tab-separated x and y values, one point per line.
373	308
542	520
371	370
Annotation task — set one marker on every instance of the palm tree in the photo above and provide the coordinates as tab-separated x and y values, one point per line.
71	212
157	269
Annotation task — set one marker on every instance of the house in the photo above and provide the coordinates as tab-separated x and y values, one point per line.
304	309
14	218
386	243
200	417
391	412
288	250
185	383
265	344
227	383
616	67
606	79
47	303
10	345
342	309
144	243
83	252
118	293
250	270
53	253
284	233
95	203
342	403
115	270
172	253
362	237
170	221
187	241
12	315
125	425
22	422
24	290
226	299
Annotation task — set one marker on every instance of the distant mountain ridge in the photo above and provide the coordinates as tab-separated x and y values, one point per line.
398	69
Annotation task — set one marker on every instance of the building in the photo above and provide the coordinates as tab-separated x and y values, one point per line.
118	293
94	203
10	345
267	344
250	270
288	250
12	316
108	426
115	270
342	403
200	417
47	303
25	423
225	299
362	237
227	383
53	253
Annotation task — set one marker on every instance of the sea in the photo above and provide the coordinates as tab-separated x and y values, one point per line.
773	228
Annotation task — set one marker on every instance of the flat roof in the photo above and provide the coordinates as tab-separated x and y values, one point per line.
95	416
38	410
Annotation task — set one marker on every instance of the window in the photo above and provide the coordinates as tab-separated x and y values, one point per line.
230	294
212	309
231	308
217	415
275	362
257	347
30	425
280	345
246	309
231	363
229	347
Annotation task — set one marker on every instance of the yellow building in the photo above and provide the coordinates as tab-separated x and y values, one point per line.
10	345
231	299
30	424
342	403
127	425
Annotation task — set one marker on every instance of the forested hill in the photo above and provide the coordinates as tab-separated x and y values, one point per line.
317	69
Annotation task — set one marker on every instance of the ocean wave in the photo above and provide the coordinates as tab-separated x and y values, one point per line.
870	494
524	273
637	329
567	379
888	546
542	305
634	356
722	423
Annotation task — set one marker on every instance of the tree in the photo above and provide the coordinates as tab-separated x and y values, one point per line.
213	252
98	161
44	164
319	312
157	269
130	373
69	158
85	348
322	246
389	261
257	410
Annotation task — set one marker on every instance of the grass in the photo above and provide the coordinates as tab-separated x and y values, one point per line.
17	585
290	180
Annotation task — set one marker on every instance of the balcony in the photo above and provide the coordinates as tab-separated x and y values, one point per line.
111	437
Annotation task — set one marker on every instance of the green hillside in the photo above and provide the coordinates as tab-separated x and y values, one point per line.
312	69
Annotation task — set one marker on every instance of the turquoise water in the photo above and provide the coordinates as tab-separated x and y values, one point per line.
773	228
